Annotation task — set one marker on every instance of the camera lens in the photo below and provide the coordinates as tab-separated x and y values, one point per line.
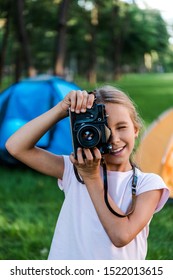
88	136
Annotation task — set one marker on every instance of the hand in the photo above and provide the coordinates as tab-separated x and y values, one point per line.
87	163
78	101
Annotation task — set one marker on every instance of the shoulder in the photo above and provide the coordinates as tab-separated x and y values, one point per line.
67	161
68	166
68	174
150	182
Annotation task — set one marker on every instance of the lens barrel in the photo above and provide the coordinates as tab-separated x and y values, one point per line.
88	136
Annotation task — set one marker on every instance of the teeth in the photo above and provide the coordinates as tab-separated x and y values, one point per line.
117	150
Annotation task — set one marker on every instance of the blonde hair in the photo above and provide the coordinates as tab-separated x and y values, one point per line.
110	94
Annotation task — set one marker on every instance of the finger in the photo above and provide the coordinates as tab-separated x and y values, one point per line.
96	153
88	154
72	158
80	157
90	101
76	98
79	98
73	99
84	102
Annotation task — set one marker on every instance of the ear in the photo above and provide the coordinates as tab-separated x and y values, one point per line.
136	130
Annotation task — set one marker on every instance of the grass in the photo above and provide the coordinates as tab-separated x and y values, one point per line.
29	205
161	235
30	202
152	93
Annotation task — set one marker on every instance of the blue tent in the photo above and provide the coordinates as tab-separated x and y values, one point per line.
26	100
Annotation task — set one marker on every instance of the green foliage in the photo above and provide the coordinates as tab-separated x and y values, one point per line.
121	37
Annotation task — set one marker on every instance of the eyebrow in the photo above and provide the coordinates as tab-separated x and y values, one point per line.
122	123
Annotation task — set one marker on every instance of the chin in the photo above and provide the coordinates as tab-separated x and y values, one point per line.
114	163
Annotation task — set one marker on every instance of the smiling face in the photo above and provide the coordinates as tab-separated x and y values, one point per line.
123	135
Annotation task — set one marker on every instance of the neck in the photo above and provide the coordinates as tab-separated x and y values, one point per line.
118	167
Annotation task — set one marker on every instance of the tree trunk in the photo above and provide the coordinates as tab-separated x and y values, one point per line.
92	73
4	46
18	66
60	47
117	43
23	39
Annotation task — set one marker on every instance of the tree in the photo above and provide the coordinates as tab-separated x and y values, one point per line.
95	38
23	40
92	73
4	43
129	33
60	48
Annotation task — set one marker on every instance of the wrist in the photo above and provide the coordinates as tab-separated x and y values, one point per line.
64	106
93	180
62	110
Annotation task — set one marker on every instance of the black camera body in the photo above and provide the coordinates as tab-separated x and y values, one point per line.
90	129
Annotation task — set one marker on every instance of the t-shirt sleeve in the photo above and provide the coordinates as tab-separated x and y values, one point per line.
154	182
68	170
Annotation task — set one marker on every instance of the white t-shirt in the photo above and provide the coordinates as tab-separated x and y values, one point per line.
79	234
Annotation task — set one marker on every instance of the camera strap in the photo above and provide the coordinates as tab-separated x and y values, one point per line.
134	184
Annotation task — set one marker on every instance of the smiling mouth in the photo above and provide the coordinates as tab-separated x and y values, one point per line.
117	151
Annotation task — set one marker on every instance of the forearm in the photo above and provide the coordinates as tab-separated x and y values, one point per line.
117	228
28	135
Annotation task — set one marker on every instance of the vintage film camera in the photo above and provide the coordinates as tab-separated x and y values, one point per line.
90	129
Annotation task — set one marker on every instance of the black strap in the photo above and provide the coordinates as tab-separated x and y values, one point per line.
77	175
134	184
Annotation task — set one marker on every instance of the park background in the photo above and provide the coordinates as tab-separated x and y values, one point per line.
92	43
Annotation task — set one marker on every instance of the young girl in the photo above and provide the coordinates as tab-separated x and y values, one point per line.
86	227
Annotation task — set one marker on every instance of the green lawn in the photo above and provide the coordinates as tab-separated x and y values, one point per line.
30	202
29	206
152	93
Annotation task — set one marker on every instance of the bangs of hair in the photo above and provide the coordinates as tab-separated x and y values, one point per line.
110	94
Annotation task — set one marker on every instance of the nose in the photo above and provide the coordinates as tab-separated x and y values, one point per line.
114	138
